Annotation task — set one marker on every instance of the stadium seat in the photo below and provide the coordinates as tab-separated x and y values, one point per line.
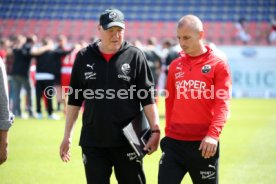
146	18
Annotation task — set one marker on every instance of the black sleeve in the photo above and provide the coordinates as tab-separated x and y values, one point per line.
75	92
26	50
157	57
171	56
60	52
144	80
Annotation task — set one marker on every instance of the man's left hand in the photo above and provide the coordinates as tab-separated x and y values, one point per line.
208	147
153	143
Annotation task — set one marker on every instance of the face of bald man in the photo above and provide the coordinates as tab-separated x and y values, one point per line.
190	39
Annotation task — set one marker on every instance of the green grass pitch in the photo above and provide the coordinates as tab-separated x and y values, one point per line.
248	149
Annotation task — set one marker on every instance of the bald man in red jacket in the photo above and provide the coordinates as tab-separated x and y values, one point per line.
199	87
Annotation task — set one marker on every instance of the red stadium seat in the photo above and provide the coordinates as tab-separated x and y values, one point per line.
221	33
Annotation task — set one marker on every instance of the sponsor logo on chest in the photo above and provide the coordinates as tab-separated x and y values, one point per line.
125	69
191	85
206	69
90	75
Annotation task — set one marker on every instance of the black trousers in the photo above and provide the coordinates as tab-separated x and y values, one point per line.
40	87
18	83
98	163
180	157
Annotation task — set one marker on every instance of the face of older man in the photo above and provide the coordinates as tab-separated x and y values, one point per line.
111	39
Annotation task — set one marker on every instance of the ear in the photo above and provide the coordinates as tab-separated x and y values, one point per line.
201	34
99	27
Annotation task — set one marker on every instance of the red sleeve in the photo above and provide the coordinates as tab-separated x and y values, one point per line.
76	83
222	86
170	94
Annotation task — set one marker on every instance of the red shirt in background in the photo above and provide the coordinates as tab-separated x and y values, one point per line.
67	63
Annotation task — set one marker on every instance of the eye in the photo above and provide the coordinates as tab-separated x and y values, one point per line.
110	30
186	37
120	29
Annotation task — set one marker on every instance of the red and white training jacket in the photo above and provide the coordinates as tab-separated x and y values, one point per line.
68	61
199	91
67	66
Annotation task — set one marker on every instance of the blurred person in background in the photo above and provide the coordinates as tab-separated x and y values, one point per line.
137	43
6	118
168	53
242	33
272	32
173	53
153	56
62	45
173	50
46	67
20	74
67	63
5	45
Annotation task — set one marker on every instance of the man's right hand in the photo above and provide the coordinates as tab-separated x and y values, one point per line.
65	150
3	151
3	146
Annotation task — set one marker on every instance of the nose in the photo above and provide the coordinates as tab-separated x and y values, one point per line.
116	34
182	42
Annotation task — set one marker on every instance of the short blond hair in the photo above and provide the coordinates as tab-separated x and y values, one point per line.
191	21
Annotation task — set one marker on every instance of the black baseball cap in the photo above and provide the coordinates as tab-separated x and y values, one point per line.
112	17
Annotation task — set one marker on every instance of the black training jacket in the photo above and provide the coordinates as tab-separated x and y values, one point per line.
97	82
22	61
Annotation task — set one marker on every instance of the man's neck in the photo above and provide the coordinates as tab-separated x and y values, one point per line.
105	50
202	49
